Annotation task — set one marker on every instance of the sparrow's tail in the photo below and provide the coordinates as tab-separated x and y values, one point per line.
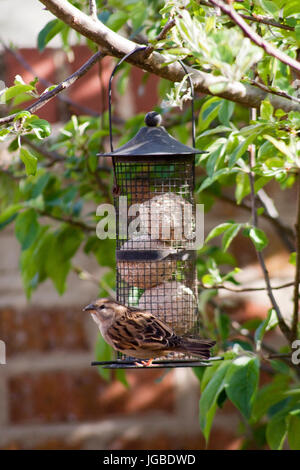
197	347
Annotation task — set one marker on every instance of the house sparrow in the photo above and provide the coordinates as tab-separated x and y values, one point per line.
140	334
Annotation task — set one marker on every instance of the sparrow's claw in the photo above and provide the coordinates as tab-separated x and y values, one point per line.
144	363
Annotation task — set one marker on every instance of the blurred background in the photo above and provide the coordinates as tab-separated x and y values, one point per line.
50	396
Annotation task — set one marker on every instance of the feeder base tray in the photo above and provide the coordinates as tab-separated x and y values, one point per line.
159	364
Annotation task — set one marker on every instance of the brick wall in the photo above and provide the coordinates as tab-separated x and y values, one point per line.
50	396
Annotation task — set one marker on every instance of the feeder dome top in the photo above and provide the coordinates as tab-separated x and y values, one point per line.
152	140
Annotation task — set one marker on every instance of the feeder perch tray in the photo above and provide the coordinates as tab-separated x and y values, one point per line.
158	364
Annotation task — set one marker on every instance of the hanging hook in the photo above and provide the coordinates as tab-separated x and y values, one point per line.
116	189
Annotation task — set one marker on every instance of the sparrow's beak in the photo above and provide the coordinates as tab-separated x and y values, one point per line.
89	307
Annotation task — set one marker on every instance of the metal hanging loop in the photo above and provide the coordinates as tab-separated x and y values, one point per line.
138	49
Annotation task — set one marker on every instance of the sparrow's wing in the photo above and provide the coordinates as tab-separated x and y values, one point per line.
140	330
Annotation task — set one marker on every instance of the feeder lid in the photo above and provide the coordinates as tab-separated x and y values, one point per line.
152	140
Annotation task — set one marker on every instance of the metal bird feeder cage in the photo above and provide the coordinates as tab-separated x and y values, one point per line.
156	265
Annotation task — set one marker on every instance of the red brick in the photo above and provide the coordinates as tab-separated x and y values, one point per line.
49	444
220	440
42	330
85	396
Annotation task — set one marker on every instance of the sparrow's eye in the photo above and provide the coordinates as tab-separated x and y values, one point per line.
102	307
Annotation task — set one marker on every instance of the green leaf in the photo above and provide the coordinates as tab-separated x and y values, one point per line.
208	113
17	90
268	396
226	111
9	212
64	246
4	133
223	325
26	228
116	20
216	231
213	160
294	430
103	352
240	150
242	383
242	186
259	238
29	160
41	127
276	432
291	8
269	7
293	258
270	322
266	110
281	146
229	235
48	32
208	400
297	32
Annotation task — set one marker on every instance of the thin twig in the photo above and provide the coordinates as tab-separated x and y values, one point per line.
44	98
274	92
238	290
75	222
267	21
93	9
256	38
46	83
258	19
53	157
281	323
284	231
295	319
162	35
246	333
279	355
87	276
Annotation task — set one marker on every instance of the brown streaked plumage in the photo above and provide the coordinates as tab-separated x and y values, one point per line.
140	334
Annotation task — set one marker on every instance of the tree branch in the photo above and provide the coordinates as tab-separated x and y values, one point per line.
62	86
281	323
115	45
254	37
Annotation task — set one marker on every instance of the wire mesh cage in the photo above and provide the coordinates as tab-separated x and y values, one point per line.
155	220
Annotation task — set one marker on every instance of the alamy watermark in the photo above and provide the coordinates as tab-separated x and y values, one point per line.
296	353
2	92
159	219
2	352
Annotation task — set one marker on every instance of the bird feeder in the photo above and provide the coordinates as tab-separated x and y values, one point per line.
155	217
